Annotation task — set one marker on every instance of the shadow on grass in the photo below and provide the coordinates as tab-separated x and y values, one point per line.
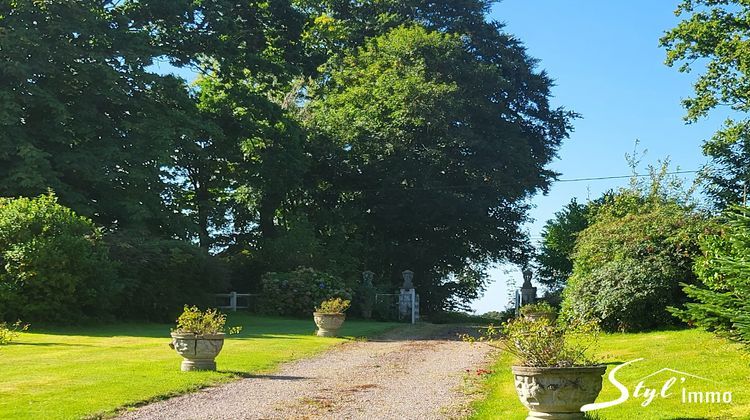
424	332
688	418
254	327
17	343
248	375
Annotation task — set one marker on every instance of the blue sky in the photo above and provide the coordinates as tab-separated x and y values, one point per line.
607	64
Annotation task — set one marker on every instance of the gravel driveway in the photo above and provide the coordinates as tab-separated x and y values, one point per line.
415	372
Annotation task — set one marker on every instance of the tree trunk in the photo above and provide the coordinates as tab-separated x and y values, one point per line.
268	206
203	205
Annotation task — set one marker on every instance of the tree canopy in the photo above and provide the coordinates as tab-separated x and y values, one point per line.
713	37
339	135
431	157
554	257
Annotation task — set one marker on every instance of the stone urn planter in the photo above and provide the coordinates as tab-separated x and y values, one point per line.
198	351
557	393
539	311
328	324
536	316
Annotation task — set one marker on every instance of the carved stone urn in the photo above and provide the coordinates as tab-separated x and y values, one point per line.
536	316
198	351
557	393
328	324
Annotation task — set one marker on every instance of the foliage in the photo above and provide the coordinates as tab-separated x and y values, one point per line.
555	255
333	306
294	293
282	137
244	270
53	264
208	322
540	307
365	296
629	262
417	117
244	163
541	343
81	114
8	332
721	302
160	276
297	244
712	36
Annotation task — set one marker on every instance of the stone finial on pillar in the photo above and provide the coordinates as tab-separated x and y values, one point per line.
367	277
528	292
408	276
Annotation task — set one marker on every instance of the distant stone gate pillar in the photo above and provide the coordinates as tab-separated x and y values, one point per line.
528	292
408	299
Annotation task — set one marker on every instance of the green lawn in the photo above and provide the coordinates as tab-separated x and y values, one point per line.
78	372
692	351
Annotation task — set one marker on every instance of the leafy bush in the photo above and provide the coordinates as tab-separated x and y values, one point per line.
630	261
722	301
8	332
333	306
209	322
295	293
53	264
160	276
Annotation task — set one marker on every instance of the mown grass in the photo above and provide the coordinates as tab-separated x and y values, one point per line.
67	373
692	351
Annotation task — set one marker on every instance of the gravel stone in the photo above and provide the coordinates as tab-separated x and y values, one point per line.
414	372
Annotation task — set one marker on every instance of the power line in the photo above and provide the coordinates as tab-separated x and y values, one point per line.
474	187
598	178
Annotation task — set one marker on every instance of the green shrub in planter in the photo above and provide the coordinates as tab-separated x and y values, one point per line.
554	374
542	343
199	337
329	316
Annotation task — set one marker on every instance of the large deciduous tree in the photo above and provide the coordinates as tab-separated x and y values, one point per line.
715	33
430	143
79	112
555	255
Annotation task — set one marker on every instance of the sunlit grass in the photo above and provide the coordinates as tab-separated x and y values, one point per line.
77	372
692	351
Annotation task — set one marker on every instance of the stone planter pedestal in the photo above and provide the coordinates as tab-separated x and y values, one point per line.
328	324
552	393
198	351
536	316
